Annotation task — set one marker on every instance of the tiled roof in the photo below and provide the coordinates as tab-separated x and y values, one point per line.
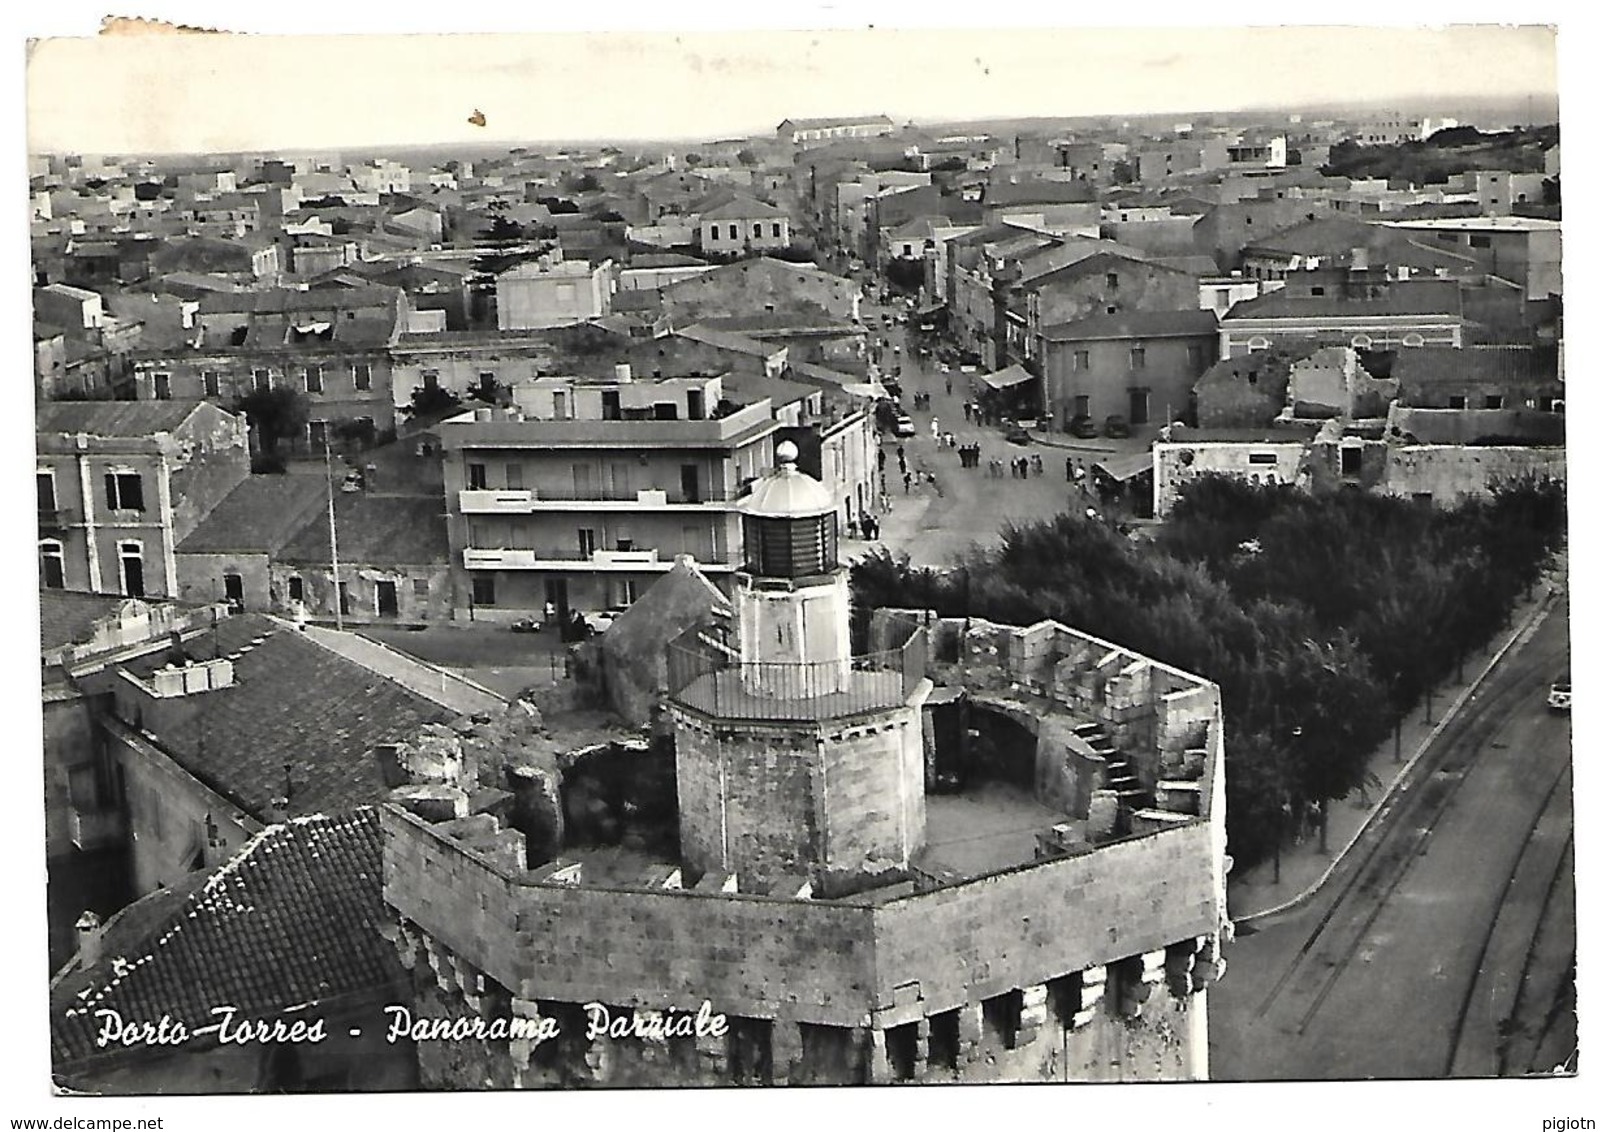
376	530
260	514
1038	192
291	920
1426	297
1510	365
743	208
293	702
113	418
1135	324
65	617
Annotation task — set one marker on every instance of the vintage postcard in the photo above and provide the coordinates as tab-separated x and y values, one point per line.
675	558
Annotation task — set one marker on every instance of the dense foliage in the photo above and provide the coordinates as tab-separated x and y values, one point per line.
1445	154
274	414
1322	618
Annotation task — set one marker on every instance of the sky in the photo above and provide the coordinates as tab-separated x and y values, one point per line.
230	92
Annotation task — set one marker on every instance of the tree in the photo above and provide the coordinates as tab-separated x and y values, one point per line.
694	159
429	401
274	415
906	274
747	157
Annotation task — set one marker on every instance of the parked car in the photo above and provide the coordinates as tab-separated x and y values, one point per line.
903	426
526	625
1084	427
887	413
1116	427
1561	694
599	620
1016	434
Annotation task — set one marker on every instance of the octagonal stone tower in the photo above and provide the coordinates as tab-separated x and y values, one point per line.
795	758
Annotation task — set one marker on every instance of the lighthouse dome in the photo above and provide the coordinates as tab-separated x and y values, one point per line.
787	493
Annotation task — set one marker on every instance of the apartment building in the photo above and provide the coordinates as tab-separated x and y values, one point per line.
584	491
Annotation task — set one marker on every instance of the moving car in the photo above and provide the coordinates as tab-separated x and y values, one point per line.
1116	428
903	426
1561	694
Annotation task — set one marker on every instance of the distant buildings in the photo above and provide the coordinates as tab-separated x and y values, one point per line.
815	131
552	291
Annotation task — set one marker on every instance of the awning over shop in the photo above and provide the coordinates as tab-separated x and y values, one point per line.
1005	378
1123	468
932	312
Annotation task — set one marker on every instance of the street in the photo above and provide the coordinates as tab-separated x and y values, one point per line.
967	506
1444	947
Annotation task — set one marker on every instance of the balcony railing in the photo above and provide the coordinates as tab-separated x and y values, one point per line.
711	681
484	559
54	518
522	501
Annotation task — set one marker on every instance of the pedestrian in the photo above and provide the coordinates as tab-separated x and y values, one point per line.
908	482
1070	470
950	387
853	528
966	407
1037	464
900	455
881	458
871	528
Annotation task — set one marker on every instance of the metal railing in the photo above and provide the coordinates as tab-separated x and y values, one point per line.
710	680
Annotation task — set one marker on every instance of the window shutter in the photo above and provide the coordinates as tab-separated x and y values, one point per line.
111	491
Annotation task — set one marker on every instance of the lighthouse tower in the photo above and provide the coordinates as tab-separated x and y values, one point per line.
794	757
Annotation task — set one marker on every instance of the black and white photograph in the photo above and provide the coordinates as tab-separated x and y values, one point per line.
677	556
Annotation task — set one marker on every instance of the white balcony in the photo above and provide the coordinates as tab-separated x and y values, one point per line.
494	502
528	501
619	561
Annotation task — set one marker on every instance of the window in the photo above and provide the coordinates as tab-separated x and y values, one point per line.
344	593
1361	341
421	588
124	491
1494	401
162	386
1349	461
317	434
45	487
52	565
432	379
758	231
733	232
1318	292
1112	280
484	590
1138	400
234	591
1079	360
1081	406
1478	241
1139	357
261	380
624	592
1196	358
313	376
1262	457
588	542
1259	343
775	231
362	376
1458	401
1412	340
476	477
210	386
515	477
1110	310
131	566
298	588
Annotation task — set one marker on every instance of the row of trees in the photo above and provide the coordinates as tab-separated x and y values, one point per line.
1322	618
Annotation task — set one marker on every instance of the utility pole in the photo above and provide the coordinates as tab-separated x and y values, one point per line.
334	546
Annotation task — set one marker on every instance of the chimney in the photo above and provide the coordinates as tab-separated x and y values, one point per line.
89	930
